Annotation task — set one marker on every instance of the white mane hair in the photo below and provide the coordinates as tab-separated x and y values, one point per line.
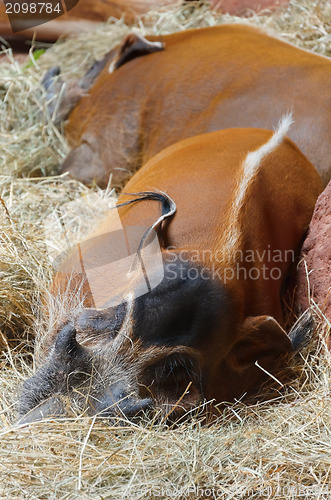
250	168
254	158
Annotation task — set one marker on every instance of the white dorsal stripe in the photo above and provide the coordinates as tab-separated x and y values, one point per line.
254	158
126	328
251	165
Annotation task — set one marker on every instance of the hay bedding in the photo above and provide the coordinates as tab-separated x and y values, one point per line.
279	448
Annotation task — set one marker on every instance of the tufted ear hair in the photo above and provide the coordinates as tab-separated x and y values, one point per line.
133	46
261	336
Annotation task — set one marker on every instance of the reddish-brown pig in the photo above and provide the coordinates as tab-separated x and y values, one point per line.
203	80
82	17
230	209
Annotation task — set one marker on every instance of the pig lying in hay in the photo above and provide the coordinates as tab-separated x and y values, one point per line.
197	313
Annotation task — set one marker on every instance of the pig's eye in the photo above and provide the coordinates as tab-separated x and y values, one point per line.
175	385
173	374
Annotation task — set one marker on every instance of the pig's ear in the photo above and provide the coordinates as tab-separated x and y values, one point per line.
133	46
261	336
302	331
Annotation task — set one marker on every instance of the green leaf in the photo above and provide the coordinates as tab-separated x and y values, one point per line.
36	54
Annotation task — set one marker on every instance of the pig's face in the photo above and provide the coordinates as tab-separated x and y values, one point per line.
150	352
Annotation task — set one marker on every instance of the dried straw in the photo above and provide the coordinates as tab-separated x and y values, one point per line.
267	449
